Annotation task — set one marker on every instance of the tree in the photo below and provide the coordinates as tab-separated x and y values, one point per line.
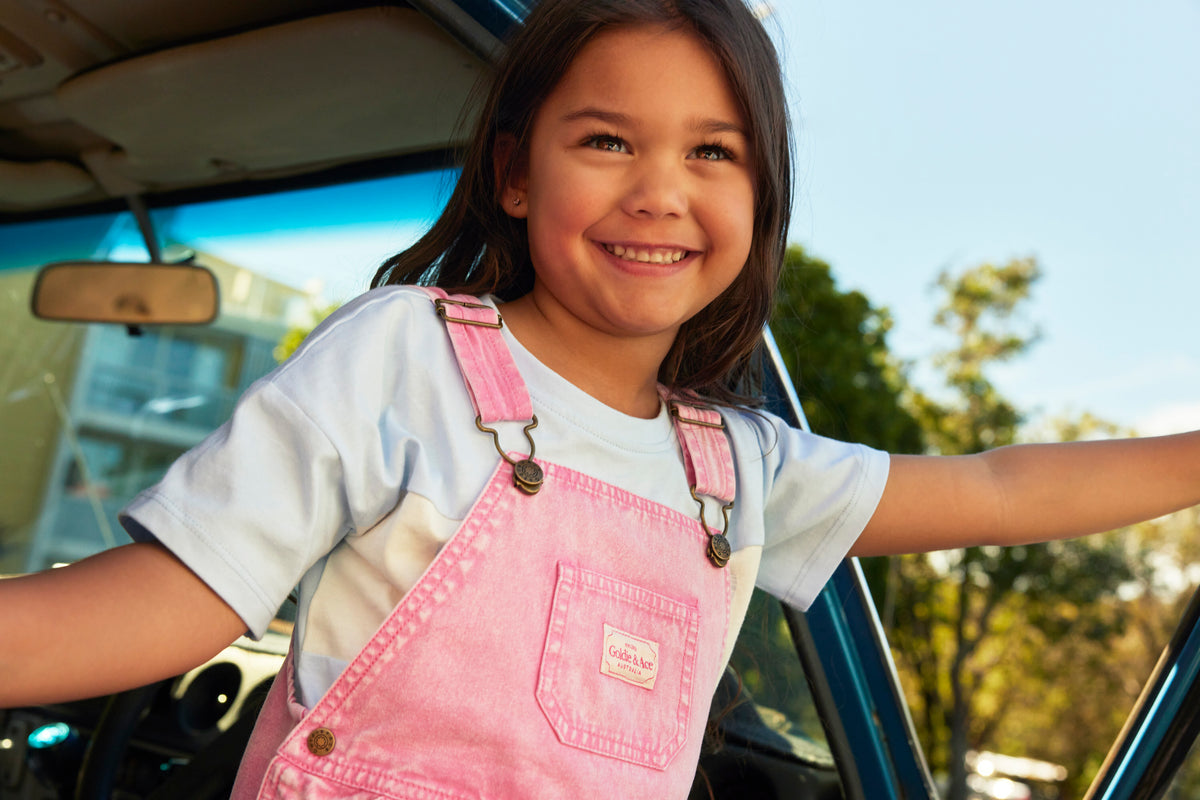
999	649
834	344
958	602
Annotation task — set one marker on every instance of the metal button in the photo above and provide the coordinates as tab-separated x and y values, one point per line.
719	550
321	742
527	476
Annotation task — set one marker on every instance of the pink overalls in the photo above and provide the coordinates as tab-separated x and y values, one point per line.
565	642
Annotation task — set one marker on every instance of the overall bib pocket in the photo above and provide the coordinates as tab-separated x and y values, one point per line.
618	667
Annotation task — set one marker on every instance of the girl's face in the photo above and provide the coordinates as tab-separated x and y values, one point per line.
638	185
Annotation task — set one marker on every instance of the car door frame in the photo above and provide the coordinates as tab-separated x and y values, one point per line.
841	644
1159	732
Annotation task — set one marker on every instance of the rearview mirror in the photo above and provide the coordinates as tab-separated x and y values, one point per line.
128	294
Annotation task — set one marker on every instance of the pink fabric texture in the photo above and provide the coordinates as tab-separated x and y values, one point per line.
706	451
496	388
565	643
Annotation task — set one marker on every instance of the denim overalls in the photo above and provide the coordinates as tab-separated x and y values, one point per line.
565	642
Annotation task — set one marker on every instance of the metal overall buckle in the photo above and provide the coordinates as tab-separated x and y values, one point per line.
527	475
719	549
441	303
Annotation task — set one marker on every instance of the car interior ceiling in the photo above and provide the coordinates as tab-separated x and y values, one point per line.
99	103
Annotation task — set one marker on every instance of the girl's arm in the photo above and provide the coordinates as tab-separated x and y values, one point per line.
119	619
1031	493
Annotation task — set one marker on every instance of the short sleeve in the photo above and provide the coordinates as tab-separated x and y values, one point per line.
300	464
818	495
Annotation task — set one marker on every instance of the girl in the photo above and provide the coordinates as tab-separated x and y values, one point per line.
525	581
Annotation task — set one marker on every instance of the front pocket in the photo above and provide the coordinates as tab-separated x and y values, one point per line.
287	780
618	667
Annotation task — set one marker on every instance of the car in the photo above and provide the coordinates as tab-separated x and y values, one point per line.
170	152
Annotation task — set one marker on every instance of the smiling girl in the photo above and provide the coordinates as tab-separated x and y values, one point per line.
518	483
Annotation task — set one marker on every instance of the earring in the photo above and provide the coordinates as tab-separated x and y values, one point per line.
516	201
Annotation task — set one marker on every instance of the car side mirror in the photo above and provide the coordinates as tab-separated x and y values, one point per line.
126	293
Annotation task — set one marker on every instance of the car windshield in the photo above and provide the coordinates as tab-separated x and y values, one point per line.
93	414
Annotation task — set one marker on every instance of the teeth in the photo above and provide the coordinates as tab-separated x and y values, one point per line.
646	256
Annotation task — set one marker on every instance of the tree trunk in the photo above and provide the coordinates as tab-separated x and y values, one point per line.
956	762
957	788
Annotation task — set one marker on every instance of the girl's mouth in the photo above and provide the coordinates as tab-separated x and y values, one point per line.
647	255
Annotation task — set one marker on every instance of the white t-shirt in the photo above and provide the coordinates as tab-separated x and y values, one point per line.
348	467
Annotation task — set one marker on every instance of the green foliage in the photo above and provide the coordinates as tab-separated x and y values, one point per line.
834	344
296	336
1007	625
978	309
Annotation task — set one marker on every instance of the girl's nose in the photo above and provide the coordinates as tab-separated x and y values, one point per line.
657	190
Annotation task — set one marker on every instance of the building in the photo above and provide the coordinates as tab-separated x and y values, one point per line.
113	410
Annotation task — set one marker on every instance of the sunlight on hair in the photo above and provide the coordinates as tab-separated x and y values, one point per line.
762	9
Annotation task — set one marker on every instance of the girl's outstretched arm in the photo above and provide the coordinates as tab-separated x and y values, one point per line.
119	619
1031	493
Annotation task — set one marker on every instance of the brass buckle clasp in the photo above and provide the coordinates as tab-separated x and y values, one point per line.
719	550
441	303
673	407
527	475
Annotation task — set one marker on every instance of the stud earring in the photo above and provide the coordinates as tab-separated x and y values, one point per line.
516	201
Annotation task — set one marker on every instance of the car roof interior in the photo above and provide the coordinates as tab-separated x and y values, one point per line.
102	100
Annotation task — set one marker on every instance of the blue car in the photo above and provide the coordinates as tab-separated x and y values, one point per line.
258	160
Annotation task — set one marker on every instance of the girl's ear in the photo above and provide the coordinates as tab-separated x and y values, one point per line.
511	173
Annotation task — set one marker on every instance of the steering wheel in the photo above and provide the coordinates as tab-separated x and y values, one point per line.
208	775
111	738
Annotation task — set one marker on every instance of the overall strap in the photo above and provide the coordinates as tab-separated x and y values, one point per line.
706	452
709	464
497	390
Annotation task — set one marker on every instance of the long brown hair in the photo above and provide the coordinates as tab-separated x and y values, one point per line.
476	248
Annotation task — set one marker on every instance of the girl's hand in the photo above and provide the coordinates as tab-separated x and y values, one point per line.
1031	493
122	618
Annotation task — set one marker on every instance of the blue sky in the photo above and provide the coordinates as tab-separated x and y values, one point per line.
937	135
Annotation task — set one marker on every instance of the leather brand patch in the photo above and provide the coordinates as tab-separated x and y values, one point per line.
629	658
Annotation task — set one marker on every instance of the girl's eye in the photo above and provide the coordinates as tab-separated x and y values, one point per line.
712	152
605	142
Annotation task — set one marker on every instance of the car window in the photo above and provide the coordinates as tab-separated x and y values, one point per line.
92	414
1185	785
765	736
772	676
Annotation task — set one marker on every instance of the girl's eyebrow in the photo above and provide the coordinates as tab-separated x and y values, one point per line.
616	118
719	126
591	112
